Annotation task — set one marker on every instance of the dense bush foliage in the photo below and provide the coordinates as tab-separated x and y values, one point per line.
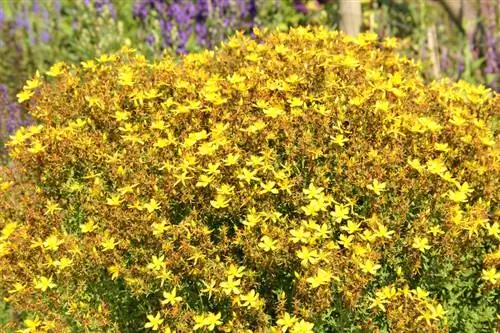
34	34
299	182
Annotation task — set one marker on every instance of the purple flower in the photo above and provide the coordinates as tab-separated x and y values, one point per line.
150	39
36	6
101	4
45	36
201	34
2	17
202	10
140	9
57	6
166	32
196	17
11	116
252	11
21	20
300	7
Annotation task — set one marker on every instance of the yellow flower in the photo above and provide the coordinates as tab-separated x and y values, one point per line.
390	42
369	267
88	227
52	243
441	147
8	229
267	244
36	147
171	297
323	232
152	206
220	201
62	263
435	230
231	159
421	293
204	181
307	256
383	232
209	321
286	321
313	192
376	187
18	287
159	228
89	65
56	69
154	322
351	227
163	276
181	178
44	283
251	299
51	207
340	213
421	244
34	83
322	277
126	77
436	311
415	164
493	229
346	241
114	200
235	271
436	166
302	327
115	271
457	196
268	187
300	235
252	218
209	288
108	244
491	275
340	140
32	325
122	115
247	175
273	112
230	286
157	263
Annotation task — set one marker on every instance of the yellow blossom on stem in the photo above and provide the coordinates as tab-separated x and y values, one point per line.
171	297
377	187
43	283
154	322
421	244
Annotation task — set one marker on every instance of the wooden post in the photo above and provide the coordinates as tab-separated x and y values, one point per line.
350	16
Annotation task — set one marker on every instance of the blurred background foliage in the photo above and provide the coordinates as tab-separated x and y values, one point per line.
456	39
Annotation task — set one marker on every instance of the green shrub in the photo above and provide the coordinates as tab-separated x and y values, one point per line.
300	182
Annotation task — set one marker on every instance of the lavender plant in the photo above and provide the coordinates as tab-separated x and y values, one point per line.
34	34
187	25
11	117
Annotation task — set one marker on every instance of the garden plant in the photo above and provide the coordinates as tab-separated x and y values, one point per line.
305	181
35	34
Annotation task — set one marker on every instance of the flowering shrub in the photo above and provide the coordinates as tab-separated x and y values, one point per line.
297	182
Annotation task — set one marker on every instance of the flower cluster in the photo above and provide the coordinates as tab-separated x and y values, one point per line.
275	184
